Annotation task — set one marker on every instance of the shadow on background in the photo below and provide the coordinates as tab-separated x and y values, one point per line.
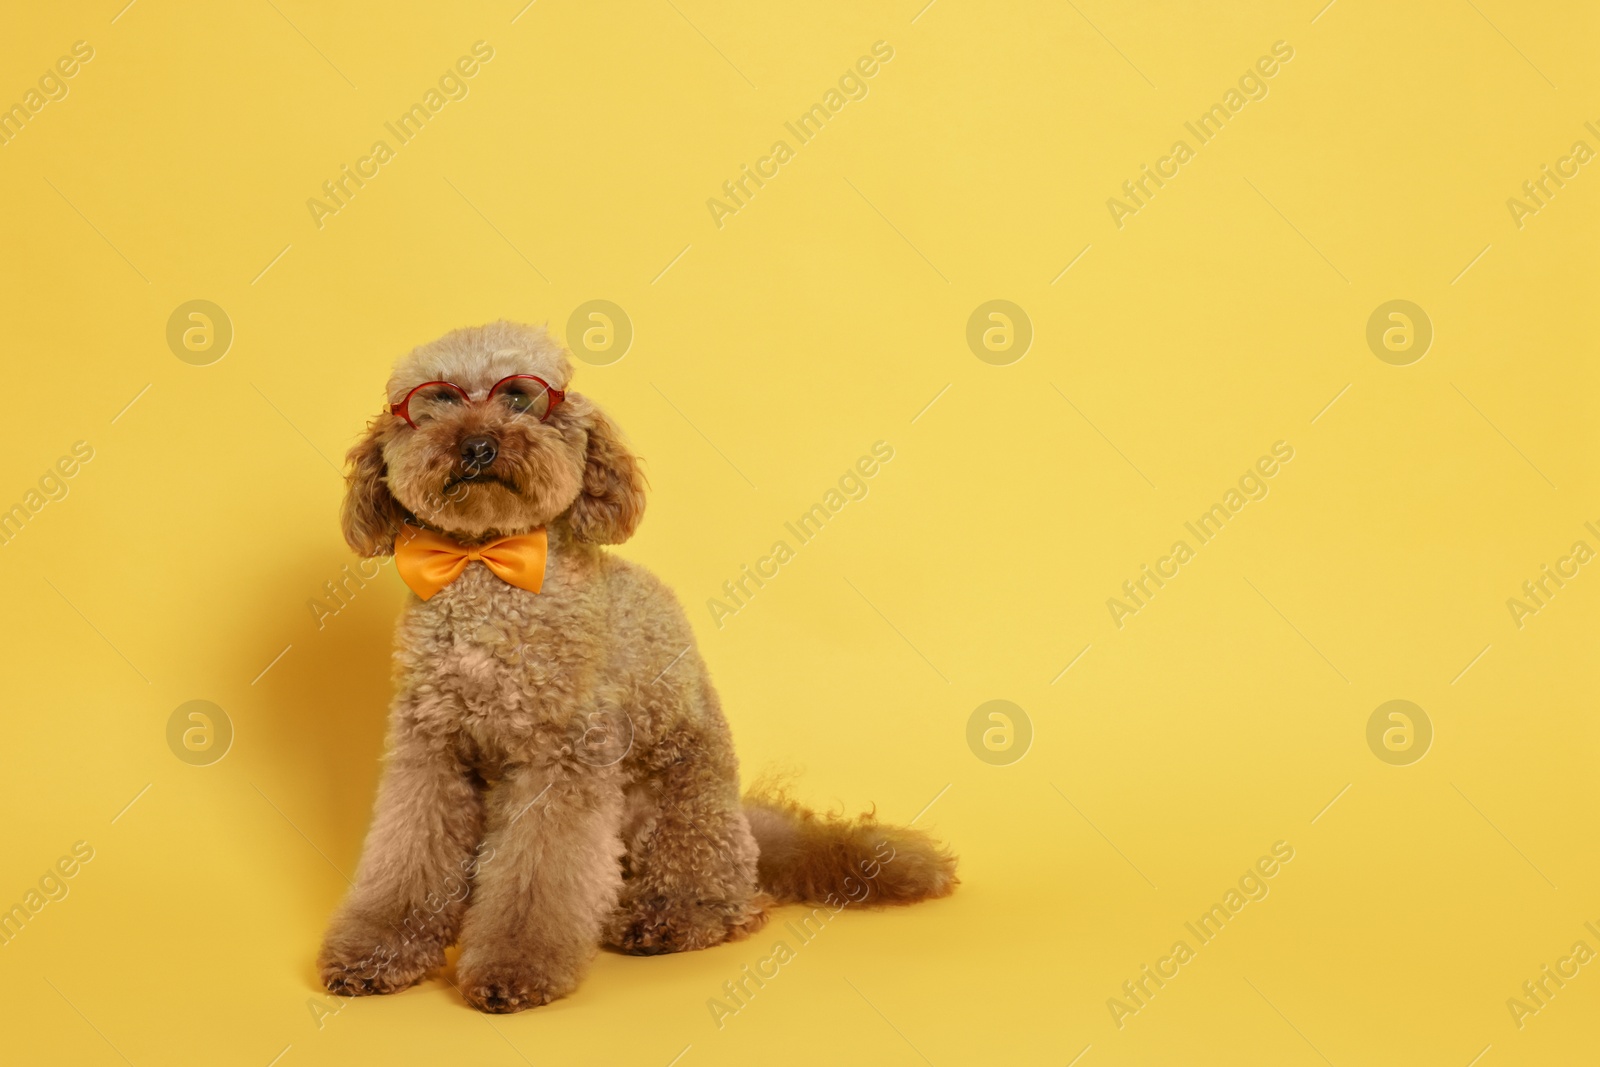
317	730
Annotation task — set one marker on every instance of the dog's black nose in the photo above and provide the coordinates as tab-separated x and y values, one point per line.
478	451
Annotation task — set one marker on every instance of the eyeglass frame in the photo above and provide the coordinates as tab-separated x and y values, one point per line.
403	409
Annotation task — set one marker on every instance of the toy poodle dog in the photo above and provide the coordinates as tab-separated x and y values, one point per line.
559	772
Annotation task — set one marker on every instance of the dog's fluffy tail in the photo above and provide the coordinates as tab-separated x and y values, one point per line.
808	857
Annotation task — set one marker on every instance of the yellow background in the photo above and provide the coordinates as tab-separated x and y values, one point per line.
825	316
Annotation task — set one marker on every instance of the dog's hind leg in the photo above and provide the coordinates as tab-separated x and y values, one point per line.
691	861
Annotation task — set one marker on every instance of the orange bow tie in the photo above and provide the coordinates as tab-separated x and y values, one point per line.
428	561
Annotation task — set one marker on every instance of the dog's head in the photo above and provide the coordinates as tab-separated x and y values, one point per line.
472	465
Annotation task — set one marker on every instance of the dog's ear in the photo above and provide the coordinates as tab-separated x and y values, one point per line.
611	502
371	516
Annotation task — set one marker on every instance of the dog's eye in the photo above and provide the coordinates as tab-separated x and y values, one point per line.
524	400
434	401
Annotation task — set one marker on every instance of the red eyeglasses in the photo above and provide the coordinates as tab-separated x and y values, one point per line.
520	394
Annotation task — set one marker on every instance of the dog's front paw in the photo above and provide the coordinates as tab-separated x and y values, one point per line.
506	986
361	959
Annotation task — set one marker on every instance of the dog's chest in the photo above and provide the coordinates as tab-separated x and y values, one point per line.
509	662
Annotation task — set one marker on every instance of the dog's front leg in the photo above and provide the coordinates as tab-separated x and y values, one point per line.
551	874
415	875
